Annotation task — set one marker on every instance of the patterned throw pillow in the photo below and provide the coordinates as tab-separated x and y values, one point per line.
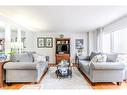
101	58
98	59
39	58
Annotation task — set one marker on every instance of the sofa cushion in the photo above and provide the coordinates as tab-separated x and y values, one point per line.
111	57
107	65
94	54
20	65
23	57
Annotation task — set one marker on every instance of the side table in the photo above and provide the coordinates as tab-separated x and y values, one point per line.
2	72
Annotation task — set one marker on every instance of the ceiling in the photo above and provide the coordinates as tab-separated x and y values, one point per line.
63	18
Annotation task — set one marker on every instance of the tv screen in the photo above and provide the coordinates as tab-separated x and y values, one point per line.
62	48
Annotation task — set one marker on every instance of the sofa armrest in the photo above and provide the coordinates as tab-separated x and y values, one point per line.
84	57
42	63
20	66
107	65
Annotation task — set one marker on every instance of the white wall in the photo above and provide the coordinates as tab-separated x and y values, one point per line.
116	25
31	43
2	33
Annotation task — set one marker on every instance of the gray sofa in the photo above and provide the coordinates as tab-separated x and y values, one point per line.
125	72
24	69
109	71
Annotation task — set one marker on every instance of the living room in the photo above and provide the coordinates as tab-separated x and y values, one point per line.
27	30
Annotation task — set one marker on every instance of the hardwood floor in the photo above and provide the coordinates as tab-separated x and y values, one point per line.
98	86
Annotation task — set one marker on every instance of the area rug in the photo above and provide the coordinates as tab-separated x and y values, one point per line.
50	81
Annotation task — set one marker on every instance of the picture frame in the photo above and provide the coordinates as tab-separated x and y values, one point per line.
40	42
79	43
48	42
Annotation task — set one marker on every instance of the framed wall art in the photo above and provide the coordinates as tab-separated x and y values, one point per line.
44	42
40	42
48	42
79	43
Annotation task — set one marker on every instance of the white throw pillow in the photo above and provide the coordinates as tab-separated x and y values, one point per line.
98	59
101	58
122	58
39	58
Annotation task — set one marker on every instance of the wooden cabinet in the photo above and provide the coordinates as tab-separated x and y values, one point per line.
62	49
60	57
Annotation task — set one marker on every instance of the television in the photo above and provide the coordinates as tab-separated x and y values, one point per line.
63	49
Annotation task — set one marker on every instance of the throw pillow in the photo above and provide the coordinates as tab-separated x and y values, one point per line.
112	57
94	54
101	58
98	59
39	58
122	58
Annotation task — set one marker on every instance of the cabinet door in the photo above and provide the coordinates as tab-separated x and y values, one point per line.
66	57
60	57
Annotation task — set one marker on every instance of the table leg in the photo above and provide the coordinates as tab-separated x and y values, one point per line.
57	72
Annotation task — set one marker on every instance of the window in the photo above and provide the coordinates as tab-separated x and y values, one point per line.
120	41
106	42
115	41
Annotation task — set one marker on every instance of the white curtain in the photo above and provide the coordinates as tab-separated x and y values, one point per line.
99	39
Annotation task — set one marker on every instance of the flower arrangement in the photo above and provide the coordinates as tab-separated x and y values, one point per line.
3	56
64	62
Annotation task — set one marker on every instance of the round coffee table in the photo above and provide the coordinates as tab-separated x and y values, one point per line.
67	71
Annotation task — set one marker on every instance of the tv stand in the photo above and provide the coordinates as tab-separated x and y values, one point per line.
62	49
